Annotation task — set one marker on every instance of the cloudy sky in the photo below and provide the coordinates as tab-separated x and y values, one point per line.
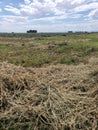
48	15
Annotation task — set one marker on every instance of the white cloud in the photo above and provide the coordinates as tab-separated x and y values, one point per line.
38	8
93	14
58	18
68	5
15	26
78	1
12	9
41	8
13	19
56	13
27	1
0	10
86	7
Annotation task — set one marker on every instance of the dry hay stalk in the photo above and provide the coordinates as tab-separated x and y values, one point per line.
43	99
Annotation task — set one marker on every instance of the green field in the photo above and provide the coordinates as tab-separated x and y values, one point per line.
40	50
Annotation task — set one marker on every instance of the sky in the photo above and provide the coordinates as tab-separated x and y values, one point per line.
48	15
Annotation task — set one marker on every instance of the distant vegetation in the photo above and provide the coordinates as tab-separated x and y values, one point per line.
32	31
44	49
29	35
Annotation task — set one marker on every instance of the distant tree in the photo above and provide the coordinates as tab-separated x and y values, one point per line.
70	31
32	31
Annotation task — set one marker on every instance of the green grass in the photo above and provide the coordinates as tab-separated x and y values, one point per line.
78	49
69	60
83	48
49	39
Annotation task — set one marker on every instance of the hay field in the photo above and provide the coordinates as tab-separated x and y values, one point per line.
61	94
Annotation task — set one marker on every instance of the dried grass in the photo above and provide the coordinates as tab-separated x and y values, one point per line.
58	97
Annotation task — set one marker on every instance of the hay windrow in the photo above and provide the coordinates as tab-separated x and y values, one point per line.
58	97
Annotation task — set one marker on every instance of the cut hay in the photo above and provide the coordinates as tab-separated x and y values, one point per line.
58	97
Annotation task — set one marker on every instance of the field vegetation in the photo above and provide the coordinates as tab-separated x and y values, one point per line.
49	81
38	51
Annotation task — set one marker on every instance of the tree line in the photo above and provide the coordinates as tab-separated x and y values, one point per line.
32	31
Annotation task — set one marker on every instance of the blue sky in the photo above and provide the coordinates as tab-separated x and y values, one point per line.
48	15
